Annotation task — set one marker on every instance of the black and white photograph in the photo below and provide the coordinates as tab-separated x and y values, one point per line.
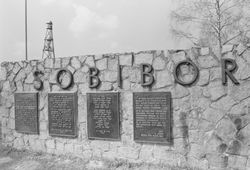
125	85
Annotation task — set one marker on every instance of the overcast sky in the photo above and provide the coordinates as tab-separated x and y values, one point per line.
86	27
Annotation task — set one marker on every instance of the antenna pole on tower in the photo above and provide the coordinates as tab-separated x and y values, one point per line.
48	47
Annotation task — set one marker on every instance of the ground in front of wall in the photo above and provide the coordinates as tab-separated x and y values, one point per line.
12	159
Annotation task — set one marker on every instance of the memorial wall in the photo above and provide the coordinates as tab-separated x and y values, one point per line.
177	107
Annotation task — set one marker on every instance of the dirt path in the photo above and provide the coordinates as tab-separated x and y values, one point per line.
11	159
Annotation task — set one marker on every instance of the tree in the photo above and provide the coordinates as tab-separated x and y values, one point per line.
212	22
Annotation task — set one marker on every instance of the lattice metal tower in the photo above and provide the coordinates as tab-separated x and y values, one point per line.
48	48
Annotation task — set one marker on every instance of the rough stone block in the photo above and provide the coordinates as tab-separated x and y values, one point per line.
179	91
216	74
207	61
65	62
80	77
98	57
178	57
11	124
113	64
181	145
82	58
90	61
225	129
4	112
163	79
246	55
105	86
204	51
244	72
58	63
71	69
213	115
196	151
141	58
43	125
198	163
229	55
159	63
216	91
128	152
52	77
126	84
168	156
126	59
227	48
30	78
134	75
217	160
237	162
204	77
16	68
102	64
20	76
3	73
224	103
75	63
241	92
110	76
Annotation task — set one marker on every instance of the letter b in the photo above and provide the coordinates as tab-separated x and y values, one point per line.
146	73
94	80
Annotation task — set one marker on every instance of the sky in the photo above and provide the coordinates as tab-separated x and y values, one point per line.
82	27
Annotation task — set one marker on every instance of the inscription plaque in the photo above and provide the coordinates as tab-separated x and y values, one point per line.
103	116
62	114
152	117
26	113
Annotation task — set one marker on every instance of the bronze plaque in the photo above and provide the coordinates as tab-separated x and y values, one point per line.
103	116
63	114
152	117
26	113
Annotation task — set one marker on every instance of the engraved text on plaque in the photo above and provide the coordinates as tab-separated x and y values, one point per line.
26	113
152	118
62	114
103	116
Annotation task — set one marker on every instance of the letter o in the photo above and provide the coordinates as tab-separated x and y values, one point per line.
59	73
177	68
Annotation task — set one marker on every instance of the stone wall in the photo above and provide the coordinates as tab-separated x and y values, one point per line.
210	121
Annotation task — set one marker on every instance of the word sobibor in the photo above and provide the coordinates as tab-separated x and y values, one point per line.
229	66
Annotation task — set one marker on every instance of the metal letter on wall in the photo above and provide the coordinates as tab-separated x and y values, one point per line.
177	72
63	108
26	113
228	71
146	73
152	117
94	80
64	78
37	83
103	116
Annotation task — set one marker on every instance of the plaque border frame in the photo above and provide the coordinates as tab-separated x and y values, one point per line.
75	135
37	110
169	137
118	117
